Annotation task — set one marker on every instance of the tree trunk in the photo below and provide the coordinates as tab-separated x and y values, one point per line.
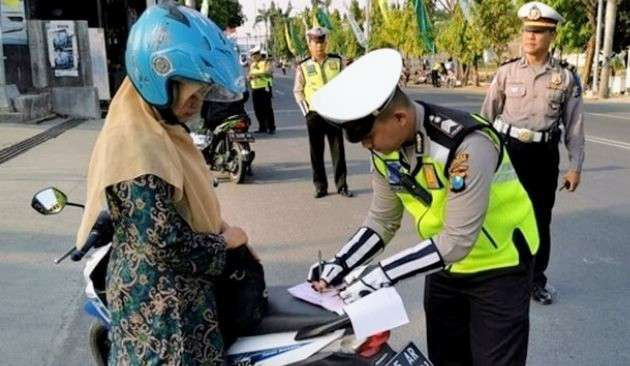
466	75
476	75
588	64
591	15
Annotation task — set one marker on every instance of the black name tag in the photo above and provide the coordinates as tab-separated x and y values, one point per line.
409	356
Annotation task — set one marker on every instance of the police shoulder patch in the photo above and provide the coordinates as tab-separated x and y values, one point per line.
566	65
458	170
446	125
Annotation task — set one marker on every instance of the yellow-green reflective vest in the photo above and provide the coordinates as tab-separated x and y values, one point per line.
509	209
316	75
259	80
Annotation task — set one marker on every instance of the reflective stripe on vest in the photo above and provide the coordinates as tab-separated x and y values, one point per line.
316	75
509	209
260	81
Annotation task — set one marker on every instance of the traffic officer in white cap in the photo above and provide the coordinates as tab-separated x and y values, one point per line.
530	98
260	78
476	226
311	74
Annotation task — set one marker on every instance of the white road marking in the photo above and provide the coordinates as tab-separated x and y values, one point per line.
613	143
608	115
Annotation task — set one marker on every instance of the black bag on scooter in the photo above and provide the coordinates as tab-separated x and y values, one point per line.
241	294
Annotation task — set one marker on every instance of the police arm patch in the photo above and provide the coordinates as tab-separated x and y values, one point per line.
458	172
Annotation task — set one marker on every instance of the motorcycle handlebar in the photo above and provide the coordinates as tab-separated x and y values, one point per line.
102	233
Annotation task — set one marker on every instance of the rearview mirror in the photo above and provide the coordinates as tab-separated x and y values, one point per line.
49	201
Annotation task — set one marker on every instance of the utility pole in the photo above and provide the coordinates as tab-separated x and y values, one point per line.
598	38
611	13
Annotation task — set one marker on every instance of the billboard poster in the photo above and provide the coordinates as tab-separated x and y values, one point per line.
63	52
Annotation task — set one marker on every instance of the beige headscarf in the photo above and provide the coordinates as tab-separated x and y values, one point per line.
134	142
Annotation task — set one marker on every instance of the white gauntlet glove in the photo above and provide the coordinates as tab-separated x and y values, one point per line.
421	258
332	272
361	248
363	281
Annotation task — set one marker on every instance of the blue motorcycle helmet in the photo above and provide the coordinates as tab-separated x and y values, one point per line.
170	43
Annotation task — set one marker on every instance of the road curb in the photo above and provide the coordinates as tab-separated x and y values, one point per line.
14	150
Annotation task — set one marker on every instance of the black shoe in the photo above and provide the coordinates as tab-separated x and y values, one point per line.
272	132
320	194
543	295
345	192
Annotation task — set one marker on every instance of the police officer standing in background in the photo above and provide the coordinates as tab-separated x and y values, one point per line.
529	100
310	75
476	225
260	76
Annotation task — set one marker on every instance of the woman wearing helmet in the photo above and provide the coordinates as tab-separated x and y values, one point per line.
170	241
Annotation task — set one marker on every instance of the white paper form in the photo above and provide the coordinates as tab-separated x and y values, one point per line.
329	300
379	311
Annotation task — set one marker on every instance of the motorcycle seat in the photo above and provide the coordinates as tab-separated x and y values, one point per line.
286	313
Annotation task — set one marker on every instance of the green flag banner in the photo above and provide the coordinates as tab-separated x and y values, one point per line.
298	42
358	33
289	40
424	26
322	19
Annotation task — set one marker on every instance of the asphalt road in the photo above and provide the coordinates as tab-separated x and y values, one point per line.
41	317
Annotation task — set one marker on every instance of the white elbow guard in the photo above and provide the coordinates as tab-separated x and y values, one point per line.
422	258
364	245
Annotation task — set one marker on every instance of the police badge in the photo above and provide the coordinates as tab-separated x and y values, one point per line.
556	81
534	13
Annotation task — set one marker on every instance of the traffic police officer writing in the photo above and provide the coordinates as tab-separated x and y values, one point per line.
260	79
475	222
529	100
311	74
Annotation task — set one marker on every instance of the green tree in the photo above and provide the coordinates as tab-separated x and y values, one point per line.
462	40
496	22
336	38
356	11
224	12
621	40
376	37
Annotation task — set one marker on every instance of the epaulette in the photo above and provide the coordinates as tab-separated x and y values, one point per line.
334	55
565	65
510	61
305	59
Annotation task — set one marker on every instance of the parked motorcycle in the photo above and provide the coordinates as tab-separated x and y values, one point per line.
224	138
291	333
226	148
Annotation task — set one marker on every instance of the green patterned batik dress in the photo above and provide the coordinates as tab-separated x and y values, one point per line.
160	280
